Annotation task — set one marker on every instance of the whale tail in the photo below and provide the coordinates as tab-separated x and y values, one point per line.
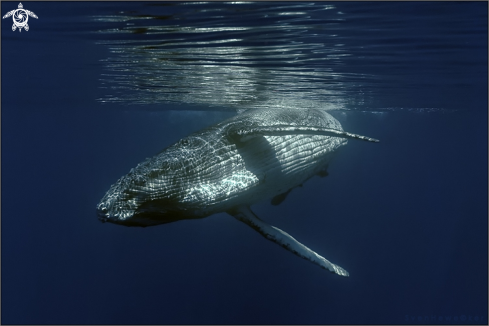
245	215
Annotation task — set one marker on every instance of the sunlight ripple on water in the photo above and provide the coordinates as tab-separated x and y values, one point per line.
240	55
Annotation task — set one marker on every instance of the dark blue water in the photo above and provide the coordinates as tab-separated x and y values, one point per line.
94	88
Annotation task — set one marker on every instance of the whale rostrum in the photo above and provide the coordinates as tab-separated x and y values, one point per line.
256	155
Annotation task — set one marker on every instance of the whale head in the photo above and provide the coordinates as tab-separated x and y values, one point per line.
151	193
126	210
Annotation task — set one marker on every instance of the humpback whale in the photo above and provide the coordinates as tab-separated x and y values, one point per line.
258	154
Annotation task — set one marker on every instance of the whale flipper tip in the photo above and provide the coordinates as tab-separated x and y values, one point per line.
244	214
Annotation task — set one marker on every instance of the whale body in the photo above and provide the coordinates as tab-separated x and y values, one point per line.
256	155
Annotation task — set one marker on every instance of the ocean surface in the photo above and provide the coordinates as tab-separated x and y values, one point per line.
94	88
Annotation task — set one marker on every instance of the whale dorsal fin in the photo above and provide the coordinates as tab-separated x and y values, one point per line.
243	134
245	215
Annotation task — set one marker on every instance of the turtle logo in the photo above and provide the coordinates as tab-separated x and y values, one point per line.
20	17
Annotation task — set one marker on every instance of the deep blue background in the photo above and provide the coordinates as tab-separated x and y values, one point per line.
406	217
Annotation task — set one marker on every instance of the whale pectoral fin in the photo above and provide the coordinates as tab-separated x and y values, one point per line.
277	200
245	215
243	134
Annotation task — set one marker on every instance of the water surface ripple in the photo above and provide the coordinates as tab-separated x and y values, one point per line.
341	56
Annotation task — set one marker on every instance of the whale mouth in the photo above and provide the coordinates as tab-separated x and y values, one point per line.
103	217
140	218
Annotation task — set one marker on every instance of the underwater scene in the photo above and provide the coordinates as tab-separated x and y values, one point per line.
383	220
